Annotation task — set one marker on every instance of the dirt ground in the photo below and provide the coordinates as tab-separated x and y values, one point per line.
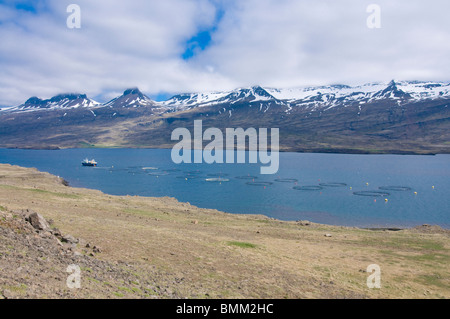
139	247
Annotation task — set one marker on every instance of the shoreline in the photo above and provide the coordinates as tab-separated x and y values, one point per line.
176	250
304	151
380	226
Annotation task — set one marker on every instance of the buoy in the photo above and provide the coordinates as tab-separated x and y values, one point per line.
432	187
350	187
367	184
415	193
374	200
386	200
185	178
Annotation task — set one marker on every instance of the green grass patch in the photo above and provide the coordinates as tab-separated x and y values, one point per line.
19	289
146	213
136	290
93	280
150	291
402	243
41	191
9	187
86	269
125	289
241	244
62	195
435	280
435	258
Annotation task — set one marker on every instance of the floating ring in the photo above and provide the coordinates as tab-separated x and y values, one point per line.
333	184
308	188
395	188
217	180
259	183
193	172
217	174
286	180
171	170
371	193
157	173
246	177
189	177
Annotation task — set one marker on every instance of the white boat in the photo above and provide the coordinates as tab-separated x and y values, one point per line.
88	162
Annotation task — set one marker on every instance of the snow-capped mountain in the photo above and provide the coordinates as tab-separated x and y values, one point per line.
318	97
395	117
131	98
249	95
246	95
65	101
343	94
186	100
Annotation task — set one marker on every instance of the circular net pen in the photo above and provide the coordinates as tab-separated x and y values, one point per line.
193	172
286	180
371	193
246	177
217	179
308	188
217	174
157	173
186	177
171	170
395	188
333	184
259	183
136	172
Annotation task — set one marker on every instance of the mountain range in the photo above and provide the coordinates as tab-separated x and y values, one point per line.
405	117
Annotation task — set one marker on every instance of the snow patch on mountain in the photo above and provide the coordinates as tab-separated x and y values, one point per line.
364	93
317	97
64	101
131	98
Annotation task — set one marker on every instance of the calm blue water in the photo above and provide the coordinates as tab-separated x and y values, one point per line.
121	172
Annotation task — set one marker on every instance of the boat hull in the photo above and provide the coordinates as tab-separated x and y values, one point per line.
88	164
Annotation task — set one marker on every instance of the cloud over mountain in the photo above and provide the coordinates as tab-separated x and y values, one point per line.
273	43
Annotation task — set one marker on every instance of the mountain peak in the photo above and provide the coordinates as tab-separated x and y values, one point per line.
134	90
131	97
392	91
33	100
392	84
67	100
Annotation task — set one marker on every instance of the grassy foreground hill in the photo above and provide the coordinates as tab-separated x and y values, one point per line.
138	247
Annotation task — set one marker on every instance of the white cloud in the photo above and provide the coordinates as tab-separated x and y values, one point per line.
274	43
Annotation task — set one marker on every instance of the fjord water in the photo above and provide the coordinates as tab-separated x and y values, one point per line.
424	198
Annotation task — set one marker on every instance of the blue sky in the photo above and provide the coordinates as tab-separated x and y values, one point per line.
176	46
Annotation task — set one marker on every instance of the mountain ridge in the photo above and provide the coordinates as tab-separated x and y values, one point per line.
330	95
397	117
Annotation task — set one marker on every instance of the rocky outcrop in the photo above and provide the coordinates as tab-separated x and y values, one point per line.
37	221
34	261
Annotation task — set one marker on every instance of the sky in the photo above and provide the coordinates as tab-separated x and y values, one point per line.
177	46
